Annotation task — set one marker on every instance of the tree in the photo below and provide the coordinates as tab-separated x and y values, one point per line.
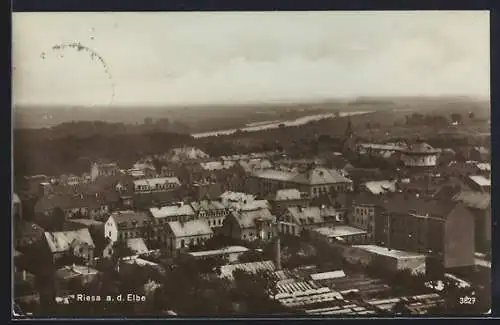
57	219
472	115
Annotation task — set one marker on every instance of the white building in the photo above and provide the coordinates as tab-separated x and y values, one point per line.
420	155
123	225
163	184
103	170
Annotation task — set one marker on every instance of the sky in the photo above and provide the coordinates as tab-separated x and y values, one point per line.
162	58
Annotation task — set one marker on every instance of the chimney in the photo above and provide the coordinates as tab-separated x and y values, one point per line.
278	251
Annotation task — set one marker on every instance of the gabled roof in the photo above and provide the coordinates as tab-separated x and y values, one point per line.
129	219
153	182
16	199
311	215
172	211
247	219
137	245
207	205
62	241
320	176
252	267
217	165
198	227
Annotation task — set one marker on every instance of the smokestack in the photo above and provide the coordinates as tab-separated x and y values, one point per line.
278	253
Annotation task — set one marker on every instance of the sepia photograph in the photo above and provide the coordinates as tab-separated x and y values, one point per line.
251	164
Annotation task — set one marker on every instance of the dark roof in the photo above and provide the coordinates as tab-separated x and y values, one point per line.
400	203
129	219
27	229
311	215
69	201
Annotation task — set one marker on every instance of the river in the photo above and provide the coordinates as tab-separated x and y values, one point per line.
265	125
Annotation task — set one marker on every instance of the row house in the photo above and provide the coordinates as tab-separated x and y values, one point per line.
250	225
295	220
149	185
315	181
74	206
214	212
181	235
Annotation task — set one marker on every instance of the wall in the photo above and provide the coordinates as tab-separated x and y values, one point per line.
459	238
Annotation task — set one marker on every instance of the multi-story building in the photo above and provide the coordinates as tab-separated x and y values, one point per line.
182	235
213	212
103	170
123	225
250	225
419	155
296	219
315	181
76	243
479	203
288	198
149	185
160	217
439	229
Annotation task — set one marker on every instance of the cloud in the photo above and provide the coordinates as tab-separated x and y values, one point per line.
167	58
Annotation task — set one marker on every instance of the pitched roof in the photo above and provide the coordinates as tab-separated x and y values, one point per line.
172	210
61	241
379	187
137	245
288	194
197	227
207	205
252	267
153	182
421	147
320	176
129	219
236	196
480	180
311	215
15	199
278	175
217	165
69	201
255	164
246	219
474	199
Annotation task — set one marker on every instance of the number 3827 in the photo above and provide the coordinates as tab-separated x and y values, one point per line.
467	300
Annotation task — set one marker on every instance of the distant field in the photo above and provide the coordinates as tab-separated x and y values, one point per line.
211	118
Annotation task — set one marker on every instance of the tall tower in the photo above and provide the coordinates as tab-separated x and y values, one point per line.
278	244
348	131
